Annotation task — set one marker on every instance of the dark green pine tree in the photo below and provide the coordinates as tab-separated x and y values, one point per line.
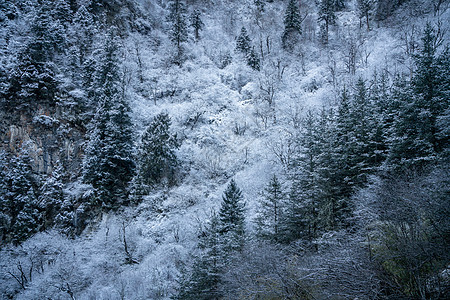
82	32
196	23
108	163
303	202
431	83
253	60
327	16
203	282
360	117
243	46
157	158
379	121
18	203
334	206
178	28
345	147
51	196
243	42
443	119
271	213
292	25
33	79
232	218
81	67
416	140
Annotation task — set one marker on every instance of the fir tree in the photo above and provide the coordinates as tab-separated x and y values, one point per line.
157	152
360	116
333	189
303	201
82	33
178	28
108	163
196	23
18	202
292	25
243	42
232	218
51	196
243	46
327	16
415	141
380	121
253	60
271	213
33	80
204	280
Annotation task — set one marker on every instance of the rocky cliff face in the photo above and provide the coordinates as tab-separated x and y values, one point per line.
50	137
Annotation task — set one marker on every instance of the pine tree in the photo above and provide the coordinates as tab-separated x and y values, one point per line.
108	163
196	23
18	202
379	121
415	141
271	212
327	16
178	28
333	189
51	196
360	114
157	152
243	42
232	218
82	32
243	46
345	146
33	80
204	280
253	60
292	25
303	201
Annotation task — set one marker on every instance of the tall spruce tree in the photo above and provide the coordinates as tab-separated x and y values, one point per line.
108	163
157	158
19	208
271	212
303	202
416	141
51	196
178	28
327	16
292	25
232	218
196	23
243	42
243	46
360	117
33	79
203	282
333	190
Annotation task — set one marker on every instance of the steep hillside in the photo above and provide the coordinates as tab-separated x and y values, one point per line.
257	149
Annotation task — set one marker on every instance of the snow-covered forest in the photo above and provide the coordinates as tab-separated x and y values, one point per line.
224	149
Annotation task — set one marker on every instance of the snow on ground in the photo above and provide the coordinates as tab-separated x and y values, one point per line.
227	132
